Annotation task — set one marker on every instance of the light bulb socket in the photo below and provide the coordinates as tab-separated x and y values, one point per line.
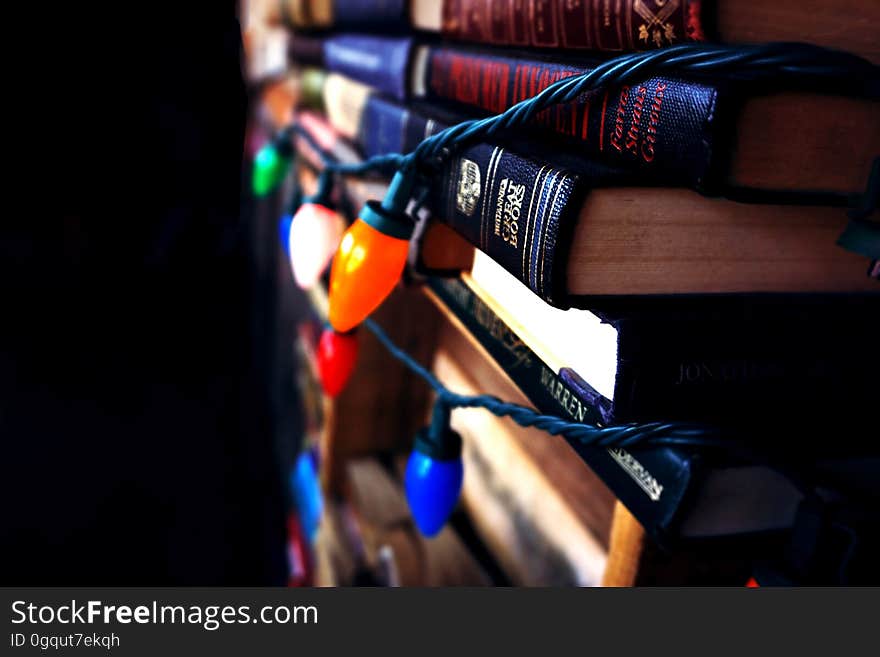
387	222
399	191
319	199
283	142
328	327
446	447
296	199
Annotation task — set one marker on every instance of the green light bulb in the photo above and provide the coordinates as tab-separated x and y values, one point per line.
270	167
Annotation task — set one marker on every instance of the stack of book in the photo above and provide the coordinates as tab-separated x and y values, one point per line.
633	256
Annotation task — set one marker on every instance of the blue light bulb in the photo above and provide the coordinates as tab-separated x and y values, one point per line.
284	232
433	479
305	484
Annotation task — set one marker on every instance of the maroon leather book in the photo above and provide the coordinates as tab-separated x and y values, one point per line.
592	24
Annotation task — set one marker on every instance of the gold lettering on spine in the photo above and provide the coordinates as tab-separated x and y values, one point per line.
653	488
512	206
499	204
656	27
494	160
484	229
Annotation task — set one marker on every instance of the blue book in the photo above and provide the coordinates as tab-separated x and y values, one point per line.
381	62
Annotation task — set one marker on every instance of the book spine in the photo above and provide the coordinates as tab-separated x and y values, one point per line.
306	49
511	208
375	125
344	102
386	127
651	483
370	14
661	128
307	14
591	24
382	63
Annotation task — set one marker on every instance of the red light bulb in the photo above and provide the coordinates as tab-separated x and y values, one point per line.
367	265
315	233
337	356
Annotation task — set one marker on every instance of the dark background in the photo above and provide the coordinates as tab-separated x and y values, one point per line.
140	356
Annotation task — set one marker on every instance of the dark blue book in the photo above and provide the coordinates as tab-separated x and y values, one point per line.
367	15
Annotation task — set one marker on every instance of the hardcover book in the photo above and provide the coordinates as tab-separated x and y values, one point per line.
668	131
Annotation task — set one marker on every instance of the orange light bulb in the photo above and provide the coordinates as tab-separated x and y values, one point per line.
366	267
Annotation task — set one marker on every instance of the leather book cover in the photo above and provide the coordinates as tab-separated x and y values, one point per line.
584	24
